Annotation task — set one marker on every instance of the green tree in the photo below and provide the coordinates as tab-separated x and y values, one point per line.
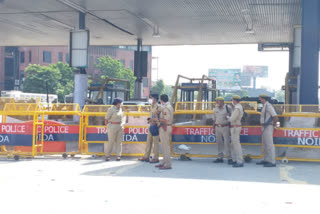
280	96
241	93
58	77
114	69
168	90
66	81
158	88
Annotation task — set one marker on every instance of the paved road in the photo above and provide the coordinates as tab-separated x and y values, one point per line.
85	185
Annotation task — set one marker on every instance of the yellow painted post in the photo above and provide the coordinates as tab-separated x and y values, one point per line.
42	131
34	135
80	134
86	123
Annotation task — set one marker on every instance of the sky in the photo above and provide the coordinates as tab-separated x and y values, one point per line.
195	60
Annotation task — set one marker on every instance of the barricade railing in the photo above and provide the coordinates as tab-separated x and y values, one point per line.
3	102
58	128
298	137
95	131
207	107
31	129
15	132
196	138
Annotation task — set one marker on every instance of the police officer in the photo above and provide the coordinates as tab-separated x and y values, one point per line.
268	120
115	124
222	130
165	131
152	139
235	128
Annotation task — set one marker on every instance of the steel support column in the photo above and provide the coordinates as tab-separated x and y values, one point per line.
308	87
138	84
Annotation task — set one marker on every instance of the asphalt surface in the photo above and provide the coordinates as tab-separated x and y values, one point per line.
85	185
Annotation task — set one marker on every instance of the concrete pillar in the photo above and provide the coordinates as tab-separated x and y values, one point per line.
295	65
308	81
81	78
80	89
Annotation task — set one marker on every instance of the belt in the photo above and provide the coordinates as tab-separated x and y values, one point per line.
235	126
219	125
115	122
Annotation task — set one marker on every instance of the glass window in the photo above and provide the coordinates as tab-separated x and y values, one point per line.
131	64
67	58
47	56
123	62
60	55
30	56
145	82
22	57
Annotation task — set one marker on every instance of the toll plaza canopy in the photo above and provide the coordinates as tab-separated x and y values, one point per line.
294	24
177	22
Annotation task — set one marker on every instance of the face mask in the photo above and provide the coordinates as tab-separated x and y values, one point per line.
150	101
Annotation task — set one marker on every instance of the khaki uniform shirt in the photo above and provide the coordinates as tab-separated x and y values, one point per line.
167	113
153	110
267	112
236	115
220	115
115	115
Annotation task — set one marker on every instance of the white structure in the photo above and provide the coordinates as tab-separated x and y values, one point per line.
19	95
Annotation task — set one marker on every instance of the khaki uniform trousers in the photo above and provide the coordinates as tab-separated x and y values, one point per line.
152	140
223	141
115	134
268	146
235	145
165	142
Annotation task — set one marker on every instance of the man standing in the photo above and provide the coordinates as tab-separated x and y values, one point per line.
115	121
268	120
165	131
152	139
235	121
222	130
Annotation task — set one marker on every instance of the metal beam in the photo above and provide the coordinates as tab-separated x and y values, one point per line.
309	52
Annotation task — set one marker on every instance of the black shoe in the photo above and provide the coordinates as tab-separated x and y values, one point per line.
231	162
218	160
237	165
261	162
270	164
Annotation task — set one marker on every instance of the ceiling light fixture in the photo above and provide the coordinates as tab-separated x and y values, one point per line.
156	33
249	31
248	20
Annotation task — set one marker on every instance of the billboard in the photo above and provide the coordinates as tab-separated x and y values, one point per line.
227	79
255	71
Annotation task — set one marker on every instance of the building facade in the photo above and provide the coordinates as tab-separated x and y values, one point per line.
14	61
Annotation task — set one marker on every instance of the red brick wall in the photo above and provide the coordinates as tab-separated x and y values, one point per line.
95	52
37	55
126	55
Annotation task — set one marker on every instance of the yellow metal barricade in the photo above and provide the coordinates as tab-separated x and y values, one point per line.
15	131
196	133
58	127
3	101
95	131
298	137
207	107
